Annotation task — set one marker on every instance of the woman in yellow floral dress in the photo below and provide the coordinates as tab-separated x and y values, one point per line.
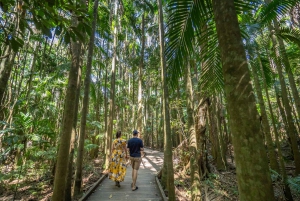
117	166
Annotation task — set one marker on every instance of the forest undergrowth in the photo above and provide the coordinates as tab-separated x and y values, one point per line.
221	185
32	184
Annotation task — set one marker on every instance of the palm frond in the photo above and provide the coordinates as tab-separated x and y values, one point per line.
267	71
242	6
290	35
185	19
211	79
268	12
211	75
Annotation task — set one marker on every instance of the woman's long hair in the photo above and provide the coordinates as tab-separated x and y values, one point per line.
118	134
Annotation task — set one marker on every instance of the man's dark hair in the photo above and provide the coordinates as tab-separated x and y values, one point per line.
118	134
135	132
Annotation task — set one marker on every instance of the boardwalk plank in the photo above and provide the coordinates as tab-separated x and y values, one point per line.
148	189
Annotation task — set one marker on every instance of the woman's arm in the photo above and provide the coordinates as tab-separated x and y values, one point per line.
112	148
125	150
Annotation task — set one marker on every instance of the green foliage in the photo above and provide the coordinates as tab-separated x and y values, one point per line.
290	35
88	146
274	9
185	19
294	184
275	176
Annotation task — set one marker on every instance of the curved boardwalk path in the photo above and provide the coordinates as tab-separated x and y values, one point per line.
148	189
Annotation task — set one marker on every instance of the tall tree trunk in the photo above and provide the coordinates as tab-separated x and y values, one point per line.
280	108
32	67
287	191
215	135
287	65
291	128
67	124
180	117
157	121
68	192
106	107
265	123
113	87
201	119
221	138
167	127
140	92
254	181
85	105
193	146
5	69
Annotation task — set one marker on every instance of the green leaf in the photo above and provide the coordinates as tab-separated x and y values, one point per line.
67	38
16	43
46	31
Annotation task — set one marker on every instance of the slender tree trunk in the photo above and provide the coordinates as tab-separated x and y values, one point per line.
287	65
265	123
167	127
287	191
32	68
7	62
222	142
254	181
68	192
291	128
106	109
67	124
195	175
180	117
157	121
5	70
280	108
85	106
201	119
113	86
215	135
140	92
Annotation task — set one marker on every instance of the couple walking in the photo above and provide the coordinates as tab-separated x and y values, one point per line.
117	166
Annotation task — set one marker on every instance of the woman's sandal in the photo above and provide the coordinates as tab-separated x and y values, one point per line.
135	188
118	184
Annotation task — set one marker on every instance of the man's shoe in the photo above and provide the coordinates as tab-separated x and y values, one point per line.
134	189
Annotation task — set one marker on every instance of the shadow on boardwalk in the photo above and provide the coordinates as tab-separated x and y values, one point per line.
148	189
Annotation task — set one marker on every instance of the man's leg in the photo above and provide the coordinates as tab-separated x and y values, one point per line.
134	177
135	167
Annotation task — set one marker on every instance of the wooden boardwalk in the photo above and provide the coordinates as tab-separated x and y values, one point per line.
148	189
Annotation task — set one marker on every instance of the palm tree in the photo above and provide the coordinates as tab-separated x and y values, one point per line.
167	127
84	112
195	170
66	131
113	86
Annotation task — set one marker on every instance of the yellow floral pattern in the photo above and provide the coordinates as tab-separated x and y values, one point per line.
117	166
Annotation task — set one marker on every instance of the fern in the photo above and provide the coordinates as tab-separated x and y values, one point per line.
294	184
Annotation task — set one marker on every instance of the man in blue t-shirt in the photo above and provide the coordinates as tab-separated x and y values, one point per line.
135	146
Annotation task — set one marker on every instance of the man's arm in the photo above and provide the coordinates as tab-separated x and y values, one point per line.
142	146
